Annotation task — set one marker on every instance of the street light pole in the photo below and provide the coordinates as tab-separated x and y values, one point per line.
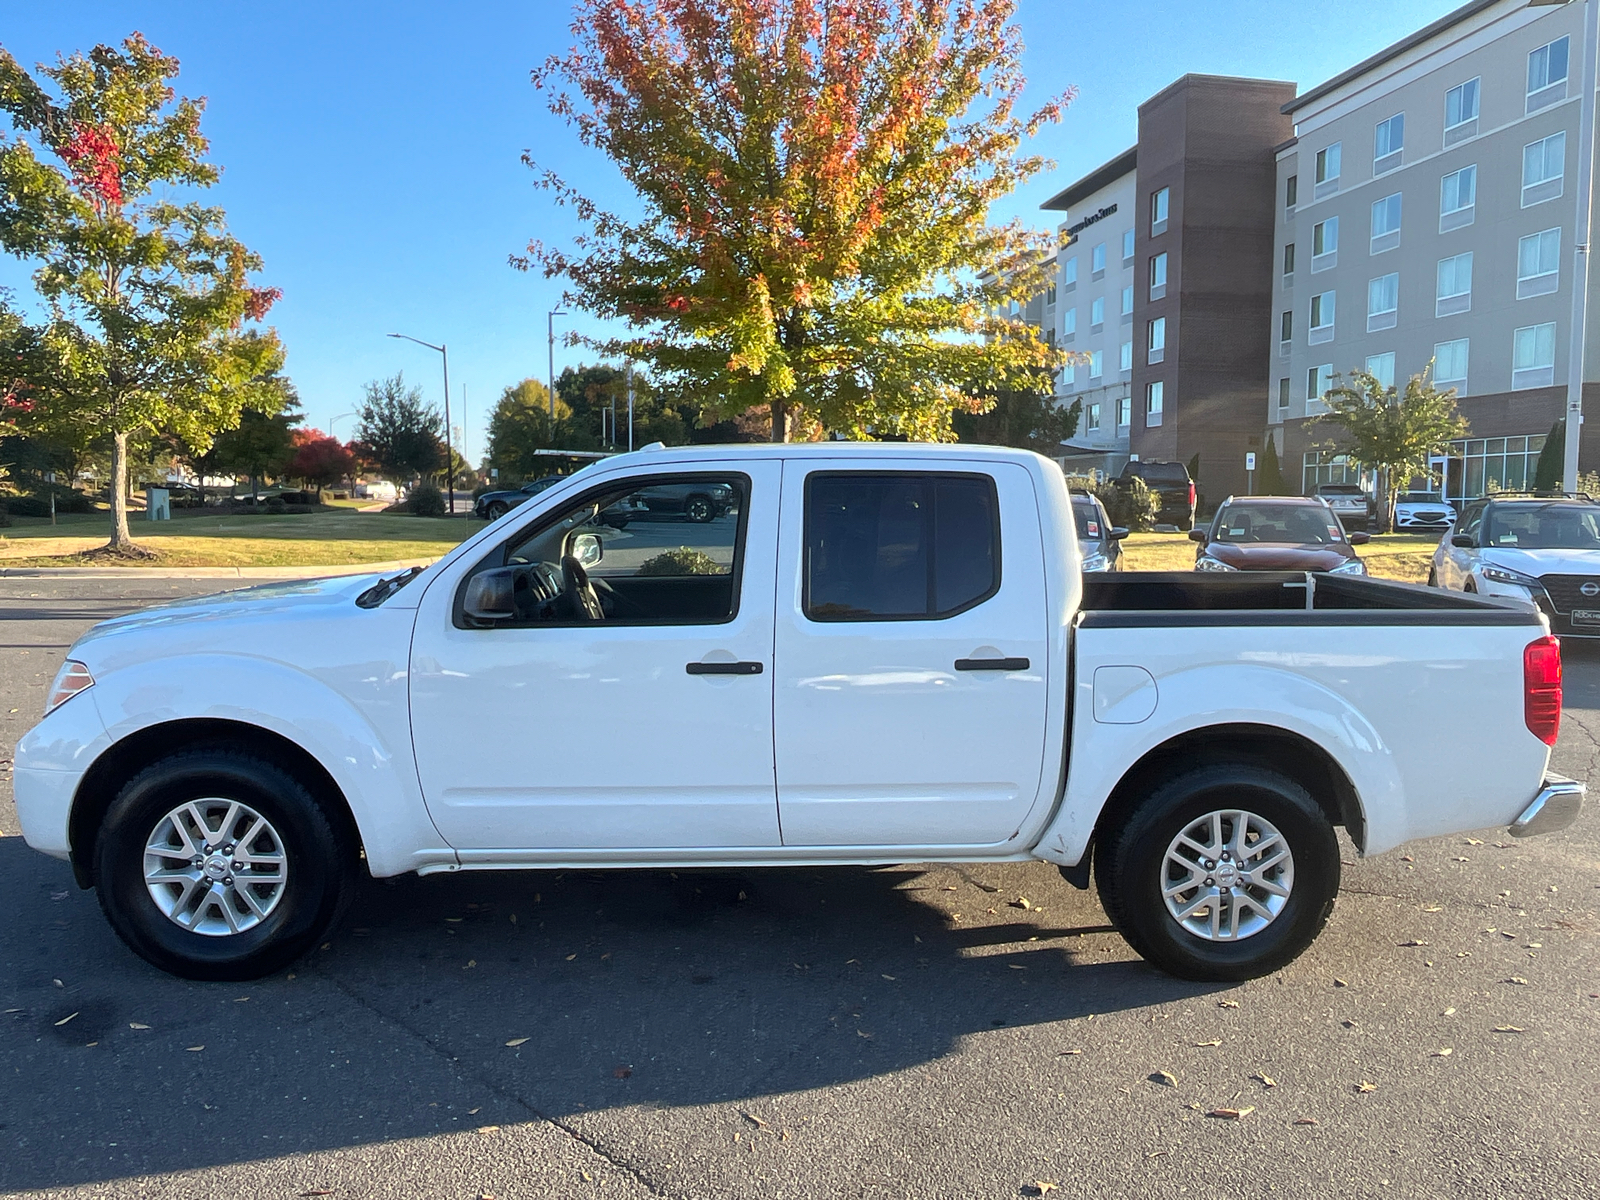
332	421
1581	234
550	328
449	452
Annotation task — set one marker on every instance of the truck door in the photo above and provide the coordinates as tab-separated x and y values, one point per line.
910	649
647	725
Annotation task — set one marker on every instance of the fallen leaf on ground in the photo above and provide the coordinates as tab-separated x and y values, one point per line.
516	1041
1432	908
1365	1087
1212	1042
1227	1004
471	962
1021	902
488	1129
1059	1053
1165	1078
1449	1012
318	1192
1039	1187
1443	1052
472	1112
622	1072
137	1025
754	1120
1415	942
1305	1121
1266	1080
1474	841
1509	1029
1348	1024
1337	982
194	1049
1518	980
570	957
1232	1114
58	983
65	1019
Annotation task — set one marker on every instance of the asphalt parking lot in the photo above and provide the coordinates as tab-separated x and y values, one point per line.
971	1032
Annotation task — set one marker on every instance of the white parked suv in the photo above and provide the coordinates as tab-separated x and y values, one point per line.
873	654
1540	550
1423	510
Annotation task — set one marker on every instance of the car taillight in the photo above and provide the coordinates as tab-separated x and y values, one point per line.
1191	493
1541	688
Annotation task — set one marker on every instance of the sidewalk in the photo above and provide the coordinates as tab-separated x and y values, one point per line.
377	568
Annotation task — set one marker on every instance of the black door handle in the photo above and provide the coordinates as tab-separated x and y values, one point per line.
723	668
991	664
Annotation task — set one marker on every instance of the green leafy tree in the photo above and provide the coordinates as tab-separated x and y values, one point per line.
594	394
147	297
1395	434
1269	480
261	445
1030	419
520	424
398	432
1552	464
814	182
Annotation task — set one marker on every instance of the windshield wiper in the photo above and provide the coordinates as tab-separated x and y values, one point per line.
384	588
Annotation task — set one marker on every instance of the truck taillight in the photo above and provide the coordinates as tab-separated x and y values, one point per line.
1191	493
1541	688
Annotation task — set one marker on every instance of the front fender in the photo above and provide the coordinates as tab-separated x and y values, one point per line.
366	748
1216	695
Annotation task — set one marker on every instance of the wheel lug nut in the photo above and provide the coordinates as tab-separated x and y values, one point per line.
228	879
238	866
1210	882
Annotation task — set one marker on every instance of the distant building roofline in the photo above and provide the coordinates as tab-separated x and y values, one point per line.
1465	12
1091	183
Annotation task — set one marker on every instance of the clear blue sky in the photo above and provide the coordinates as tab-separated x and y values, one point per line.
371	150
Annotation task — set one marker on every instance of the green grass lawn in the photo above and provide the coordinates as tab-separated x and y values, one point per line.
1402	556
338	536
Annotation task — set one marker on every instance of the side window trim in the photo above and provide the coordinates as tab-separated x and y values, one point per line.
927	477
498	555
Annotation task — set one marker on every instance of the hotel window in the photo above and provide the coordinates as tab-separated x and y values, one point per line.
1069	272
1547	75
1327	172
1383	302
1318	381
1154	398
1388	140
1285	330
1291	192
1288	264
1158	276
1538	264
1097	262
1157	340
1321	319
1127	356
1283	395
1069	324
1127	246
1454	292
1385	224
1461	112
1458	198
1325	245
1092	420
1124	412
1544	163
1069	374
1159	203
1381	368
1533	356
1450	365
1050	296
1097	314
1096	364
1127	301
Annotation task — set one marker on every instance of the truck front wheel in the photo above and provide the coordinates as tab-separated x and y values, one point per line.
1224	873
216	864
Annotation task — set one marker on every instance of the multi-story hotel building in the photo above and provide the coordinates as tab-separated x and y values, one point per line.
1425	213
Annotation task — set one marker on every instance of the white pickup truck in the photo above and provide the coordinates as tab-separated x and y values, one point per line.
854	654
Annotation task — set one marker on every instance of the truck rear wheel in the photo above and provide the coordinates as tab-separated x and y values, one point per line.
1224	873
215	864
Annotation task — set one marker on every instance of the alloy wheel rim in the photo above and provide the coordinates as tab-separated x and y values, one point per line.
1227	875
215	867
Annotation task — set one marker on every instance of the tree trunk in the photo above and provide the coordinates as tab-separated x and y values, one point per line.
121	539
780	421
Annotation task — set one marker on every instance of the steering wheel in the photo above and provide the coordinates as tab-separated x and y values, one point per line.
577	593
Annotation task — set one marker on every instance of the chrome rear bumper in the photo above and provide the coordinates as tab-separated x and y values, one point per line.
1555	807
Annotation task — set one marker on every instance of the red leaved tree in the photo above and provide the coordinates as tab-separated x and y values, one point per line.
320	459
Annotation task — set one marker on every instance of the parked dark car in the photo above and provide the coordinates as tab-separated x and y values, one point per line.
697	502
1173	488
1349	503
1099	542
1277	533
491	506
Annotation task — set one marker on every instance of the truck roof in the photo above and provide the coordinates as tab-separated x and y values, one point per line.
722	451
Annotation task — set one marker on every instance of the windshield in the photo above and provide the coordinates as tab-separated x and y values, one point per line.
1296	524
1422	498
1090	528
1545	527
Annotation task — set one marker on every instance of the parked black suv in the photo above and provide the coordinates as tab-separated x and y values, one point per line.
1173	488
697	502
491	506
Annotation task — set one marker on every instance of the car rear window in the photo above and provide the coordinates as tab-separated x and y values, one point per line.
899	547
1291	524
1088	518
1340	489
1158	472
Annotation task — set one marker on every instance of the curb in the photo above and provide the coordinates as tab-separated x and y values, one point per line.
212	572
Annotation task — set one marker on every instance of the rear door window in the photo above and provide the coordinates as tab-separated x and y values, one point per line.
899	546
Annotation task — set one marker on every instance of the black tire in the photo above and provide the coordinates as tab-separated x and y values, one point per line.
1433	577
699	509
497	510
1470	587
319	876
1185	525
1130	866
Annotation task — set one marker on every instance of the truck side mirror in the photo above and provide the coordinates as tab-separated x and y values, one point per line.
1358	538
489	595
1462	540
586	548
1197	535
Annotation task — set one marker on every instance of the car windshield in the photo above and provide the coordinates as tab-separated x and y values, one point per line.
1422	498
1339	489
1296	524
1544	527
1090	528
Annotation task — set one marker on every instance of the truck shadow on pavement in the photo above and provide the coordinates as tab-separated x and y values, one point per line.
459	1001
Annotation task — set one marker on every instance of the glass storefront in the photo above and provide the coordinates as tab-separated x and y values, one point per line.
1478	466
1327	466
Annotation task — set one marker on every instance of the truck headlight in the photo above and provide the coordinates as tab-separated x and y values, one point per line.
1096	562
1206	563
1506	575
73	678
1353	567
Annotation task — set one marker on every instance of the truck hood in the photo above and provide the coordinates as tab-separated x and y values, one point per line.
1280	556
1544	562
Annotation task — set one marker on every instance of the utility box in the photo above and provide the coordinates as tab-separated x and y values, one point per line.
157	504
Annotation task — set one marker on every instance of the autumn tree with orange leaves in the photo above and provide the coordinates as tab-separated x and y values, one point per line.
151	320
814	180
